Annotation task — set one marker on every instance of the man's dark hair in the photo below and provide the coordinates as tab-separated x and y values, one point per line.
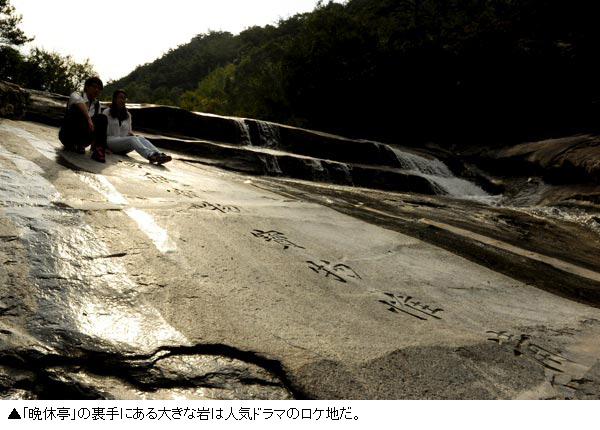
93	80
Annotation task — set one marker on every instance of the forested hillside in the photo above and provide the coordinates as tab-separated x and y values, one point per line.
396	69
179	70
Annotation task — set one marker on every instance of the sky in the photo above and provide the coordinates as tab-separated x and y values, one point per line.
118	35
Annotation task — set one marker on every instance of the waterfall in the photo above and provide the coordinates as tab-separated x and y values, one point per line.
244	131
438	174
344	170
315	164
270	164
269	134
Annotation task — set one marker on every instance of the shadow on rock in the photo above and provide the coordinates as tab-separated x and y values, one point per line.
479	371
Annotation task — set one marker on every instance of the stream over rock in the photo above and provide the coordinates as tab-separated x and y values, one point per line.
271	262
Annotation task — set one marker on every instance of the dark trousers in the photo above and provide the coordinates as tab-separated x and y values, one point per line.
75	132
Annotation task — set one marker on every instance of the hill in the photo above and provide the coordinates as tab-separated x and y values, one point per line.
400	71
165	79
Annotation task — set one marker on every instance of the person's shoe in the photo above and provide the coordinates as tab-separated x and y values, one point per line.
154	158
164	158
98	154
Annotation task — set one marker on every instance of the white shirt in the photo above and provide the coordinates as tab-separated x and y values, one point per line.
76	98
114	129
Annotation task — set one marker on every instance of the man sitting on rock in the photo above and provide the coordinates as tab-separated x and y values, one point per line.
84	125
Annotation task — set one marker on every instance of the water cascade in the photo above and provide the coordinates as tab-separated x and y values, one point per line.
270	164
269	134
438	174
244	131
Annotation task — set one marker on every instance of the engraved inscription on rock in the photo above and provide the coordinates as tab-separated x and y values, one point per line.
276	237
523	345
340	272
408	305
215	207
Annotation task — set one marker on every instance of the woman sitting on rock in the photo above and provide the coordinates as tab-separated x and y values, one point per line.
120	138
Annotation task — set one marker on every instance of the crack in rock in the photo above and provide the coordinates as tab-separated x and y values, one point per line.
201	371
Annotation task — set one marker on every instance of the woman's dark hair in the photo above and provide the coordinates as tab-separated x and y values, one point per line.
120	114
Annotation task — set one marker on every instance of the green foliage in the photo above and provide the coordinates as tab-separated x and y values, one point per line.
49	71
179	70
211	94
10	63
328	65
10	34
43	70
258	89
391	69
40	69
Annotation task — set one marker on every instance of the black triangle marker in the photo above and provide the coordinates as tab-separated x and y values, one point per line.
14	415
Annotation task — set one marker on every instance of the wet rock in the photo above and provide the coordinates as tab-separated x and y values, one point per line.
254	161
93	307
260	147
425	373
94	375
46	108
535	232
173	121
13	377
331	147
567	160
178	122
13	101
170	121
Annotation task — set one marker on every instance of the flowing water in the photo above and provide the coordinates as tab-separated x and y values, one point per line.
244	131
269	134
439	175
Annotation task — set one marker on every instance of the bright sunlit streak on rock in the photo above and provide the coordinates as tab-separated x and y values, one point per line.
148	225
81	292
145	221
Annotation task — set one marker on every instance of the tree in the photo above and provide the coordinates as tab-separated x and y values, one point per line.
10	63
40	70
10	34
49	71
211	94
182	68
391	70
